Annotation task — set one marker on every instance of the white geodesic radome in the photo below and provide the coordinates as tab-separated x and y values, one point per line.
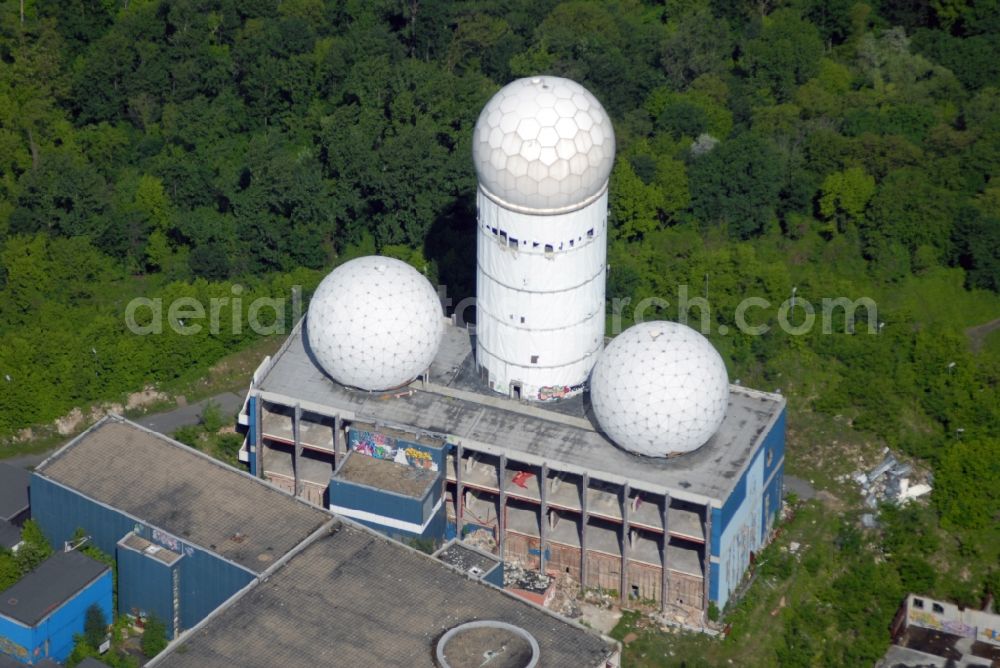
375	323
659	388
543	144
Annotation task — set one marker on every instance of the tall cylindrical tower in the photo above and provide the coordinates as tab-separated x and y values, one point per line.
543	150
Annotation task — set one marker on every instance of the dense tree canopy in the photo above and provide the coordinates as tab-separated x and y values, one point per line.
215	148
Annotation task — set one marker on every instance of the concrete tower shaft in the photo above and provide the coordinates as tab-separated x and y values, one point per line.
543	149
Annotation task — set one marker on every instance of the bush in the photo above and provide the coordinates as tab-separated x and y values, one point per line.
154	637
95	626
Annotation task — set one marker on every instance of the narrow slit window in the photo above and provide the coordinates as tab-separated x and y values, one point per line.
590	233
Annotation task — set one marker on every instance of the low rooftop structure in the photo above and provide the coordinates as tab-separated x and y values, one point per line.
14	503
55	581
387	475
184	492
353	597
927	632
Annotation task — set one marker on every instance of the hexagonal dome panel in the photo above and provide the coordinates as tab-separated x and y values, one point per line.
659	388
559	128
374	323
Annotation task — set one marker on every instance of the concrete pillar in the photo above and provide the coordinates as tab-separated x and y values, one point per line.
338	443
708	557
259	445
297	455
459	492
543	542
502	515
583	529
665	577
625	543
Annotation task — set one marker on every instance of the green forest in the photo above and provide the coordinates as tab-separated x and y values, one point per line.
826	148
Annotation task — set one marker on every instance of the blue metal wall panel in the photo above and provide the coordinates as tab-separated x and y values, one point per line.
53	636
206	583
774	445
495	577
207	580
361	497
713	582
60	627
435	529
252	434
16	641
145	587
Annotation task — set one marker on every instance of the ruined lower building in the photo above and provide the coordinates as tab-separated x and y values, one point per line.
450	457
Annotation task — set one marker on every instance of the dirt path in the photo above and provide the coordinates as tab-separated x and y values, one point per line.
977	335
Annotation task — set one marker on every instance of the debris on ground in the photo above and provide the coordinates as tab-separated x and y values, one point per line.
889	481
516	576
563	596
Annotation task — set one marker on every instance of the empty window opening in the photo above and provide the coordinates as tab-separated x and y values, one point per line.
918	603
590	233
534	359
571	243
534	244
635	591
493	230
503	235
522	319
512	242
515	391
938	608
549	249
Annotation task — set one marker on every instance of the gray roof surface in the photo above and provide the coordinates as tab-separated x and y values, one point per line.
55	581
14	483
355	598
387	475
183	492
562	434
10	535
464	557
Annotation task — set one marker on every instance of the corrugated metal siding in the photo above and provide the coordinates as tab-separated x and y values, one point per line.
145	586
60	627
361	497
206	579
29	644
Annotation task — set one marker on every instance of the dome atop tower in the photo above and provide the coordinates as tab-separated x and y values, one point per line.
543	144
660	388
375	323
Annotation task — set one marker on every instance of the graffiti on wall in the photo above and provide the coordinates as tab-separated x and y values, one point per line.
380	446
13	649
960	629
553	392
926	619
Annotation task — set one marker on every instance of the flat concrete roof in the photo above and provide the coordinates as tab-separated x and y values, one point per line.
355	598
184	492
386	475
464	557
56	580
14	483
455	405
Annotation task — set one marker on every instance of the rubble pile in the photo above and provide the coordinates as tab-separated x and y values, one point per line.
515	576
483	540
599	598
891	481
562	597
